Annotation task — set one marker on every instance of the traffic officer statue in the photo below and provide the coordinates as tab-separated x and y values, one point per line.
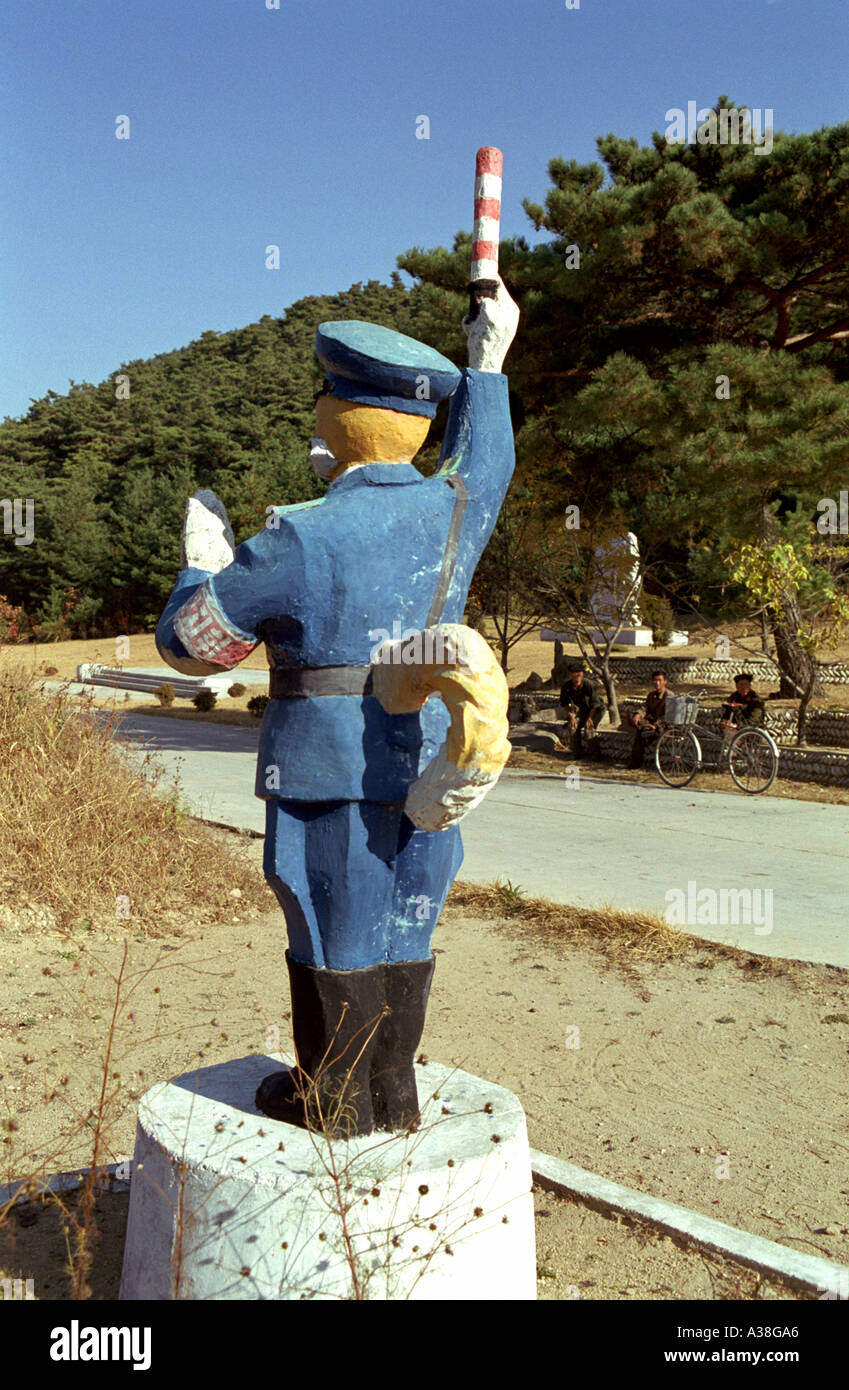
359	598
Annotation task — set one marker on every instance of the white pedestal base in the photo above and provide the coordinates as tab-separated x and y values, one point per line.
226	1204
626	637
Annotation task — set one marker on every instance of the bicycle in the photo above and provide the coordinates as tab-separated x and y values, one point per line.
749	752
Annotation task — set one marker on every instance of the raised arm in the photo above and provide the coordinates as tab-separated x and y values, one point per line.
478	441
210	621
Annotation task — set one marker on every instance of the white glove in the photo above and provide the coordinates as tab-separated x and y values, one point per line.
443	794
207	535
323	461
492	332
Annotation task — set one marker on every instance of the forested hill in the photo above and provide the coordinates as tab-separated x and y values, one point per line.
109	476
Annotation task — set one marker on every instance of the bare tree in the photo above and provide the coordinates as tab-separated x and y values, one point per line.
505	587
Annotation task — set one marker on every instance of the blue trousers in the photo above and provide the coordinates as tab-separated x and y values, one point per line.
358	883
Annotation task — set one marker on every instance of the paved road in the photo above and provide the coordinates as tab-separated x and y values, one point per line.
630	846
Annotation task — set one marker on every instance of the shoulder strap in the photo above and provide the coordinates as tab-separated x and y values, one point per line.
449	559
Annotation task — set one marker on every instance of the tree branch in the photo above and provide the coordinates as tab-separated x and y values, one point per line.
839	329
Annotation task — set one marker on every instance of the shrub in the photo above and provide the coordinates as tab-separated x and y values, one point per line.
236	690
257	704
51	670
657	613
11	620
165	694
205	700
65	615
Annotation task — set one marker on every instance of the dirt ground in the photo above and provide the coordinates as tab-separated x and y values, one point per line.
702	1080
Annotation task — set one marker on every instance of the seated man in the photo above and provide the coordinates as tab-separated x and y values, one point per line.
744	706
645	721
584	706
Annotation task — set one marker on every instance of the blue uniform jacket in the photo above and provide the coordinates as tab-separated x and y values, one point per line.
324	577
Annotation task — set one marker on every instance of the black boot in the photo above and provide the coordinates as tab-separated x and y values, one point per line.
395	1100
329	1089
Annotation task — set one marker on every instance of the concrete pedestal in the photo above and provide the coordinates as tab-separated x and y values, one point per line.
625	637
227	1204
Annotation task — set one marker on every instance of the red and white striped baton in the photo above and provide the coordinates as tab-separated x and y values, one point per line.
483	282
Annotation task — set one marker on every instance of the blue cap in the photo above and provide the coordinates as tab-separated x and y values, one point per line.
377	366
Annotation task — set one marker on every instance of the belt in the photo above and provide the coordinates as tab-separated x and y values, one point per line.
305	682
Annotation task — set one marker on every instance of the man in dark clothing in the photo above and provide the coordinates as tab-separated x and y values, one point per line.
584	707
744	706
646	720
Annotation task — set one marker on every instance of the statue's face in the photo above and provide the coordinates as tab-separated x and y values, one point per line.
365	434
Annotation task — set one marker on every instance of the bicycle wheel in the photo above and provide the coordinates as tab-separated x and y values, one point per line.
678	756
752	760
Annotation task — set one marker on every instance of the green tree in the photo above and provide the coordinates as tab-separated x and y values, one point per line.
814	571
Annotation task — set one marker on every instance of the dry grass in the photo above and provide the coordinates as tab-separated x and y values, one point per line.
40	1236
85	835
636	936
104	997
626	939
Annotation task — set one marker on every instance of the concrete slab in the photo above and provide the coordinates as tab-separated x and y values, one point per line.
242	676
149	679
807	1272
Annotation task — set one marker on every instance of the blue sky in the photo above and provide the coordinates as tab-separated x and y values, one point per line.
296	126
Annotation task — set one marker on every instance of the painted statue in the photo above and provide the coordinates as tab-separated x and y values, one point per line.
359	598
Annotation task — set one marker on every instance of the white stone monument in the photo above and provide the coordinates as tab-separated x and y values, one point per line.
616	592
